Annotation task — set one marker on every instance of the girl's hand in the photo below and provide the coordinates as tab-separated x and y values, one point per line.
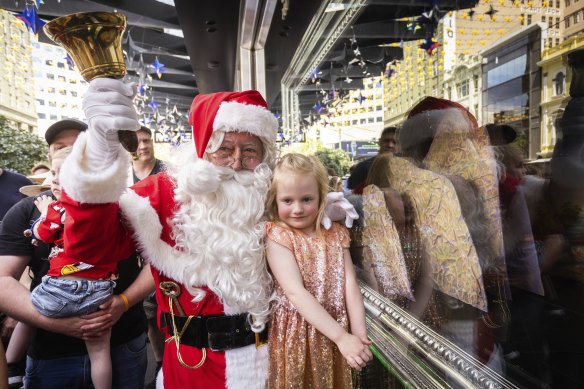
355	351
42	203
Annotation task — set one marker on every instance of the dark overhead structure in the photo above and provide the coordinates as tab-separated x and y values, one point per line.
269	45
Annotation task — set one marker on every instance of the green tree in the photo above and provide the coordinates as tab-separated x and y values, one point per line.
335	159
19	150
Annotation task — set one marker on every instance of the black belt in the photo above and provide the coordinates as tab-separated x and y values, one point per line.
218	333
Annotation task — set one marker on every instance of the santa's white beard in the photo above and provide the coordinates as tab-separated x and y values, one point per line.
219	225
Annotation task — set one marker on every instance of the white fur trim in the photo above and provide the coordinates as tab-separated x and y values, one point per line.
147	231
86	185
254	119
160	380
246	367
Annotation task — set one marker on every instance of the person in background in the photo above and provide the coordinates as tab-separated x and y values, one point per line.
144	162
387	144
57	357
39	168
10	183
335	184
318	329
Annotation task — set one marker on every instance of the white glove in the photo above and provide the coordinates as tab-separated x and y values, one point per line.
337	208
108	108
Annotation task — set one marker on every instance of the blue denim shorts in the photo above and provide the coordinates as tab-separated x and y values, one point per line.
58	297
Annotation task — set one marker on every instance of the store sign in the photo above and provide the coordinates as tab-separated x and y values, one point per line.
360	148
539	10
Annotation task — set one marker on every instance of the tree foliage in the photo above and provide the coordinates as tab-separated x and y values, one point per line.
335	159
19	150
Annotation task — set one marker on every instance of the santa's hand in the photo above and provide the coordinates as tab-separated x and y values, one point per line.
337	208
108	108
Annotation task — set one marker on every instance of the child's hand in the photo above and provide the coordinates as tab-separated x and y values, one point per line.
355	350
42	203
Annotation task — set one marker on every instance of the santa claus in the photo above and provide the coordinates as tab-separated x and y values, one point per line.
198	225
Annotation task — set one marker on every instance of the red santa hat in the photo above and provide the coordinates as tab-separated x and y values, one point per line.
245	111
430	103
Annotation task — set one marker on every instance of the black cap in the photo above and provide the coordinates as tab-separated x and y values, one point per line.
501	134
145	129
66	124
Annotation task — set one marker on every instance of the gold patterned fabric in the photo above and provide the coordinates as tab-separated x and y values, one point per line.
300	356
382	246
464	151
445	238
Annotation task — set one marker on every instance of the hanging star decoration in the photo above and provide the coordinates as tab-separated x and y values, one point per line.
277	115
429	45
471	14
158	67
69	60
348	80
360	98
31	19
315	75
153	105
141	89
317	107
491	12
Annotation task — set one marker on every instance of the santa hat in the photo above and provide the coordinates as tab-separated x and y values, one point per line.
245	111
430	103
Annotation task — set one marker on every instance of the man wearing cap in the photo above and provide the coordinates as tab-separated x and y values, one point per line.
198	224
144	163
54	359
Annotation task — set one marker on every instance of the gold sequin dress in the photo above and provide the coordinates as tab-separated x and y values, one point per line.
300	356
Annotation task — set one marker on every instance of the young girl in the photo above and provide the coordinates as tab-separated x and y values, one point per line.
72	287
320	301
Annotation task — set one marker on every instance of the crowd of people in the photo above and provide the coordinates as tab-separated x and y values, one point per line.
240	266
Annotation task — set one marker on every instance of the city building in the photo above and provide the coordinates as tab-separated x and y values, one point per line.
512	84
555	89
573	16
16	82
59	86
356	117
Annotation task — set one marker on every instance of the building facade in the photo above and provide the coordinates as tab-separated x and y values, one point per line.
59	86
512	84
555	89
573	13
17	99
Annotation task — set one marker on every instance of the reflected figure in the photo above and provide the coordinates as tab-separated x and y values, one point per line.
565	269
447	223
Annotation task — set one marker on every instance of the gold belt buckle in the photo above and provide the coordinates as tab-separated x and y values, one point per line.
258	342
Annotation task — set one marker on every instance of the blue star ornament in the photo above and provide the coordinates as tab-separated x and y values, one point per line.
153	105
31	19
158	67
317	107
429	45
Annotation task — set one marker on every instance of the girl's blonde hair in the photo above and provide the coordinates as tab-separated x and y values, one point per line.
298	164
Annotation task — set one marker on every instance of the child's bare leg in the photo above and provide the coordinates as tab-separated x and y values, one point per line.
101	361
19	342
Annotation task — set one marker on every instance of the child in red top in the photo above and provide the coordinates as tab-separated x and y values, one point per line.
72	287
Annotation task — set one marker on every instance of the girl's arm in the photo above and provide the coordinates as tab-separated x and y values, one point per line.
284	267
354	299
